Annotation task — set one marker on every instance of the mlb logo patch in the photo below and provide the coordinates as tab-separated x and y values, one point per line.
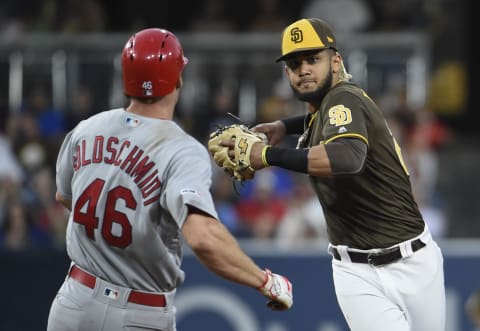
132	122
110	293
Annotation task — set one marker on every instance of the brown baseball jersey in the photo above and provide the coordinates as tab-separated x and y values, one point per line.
375	208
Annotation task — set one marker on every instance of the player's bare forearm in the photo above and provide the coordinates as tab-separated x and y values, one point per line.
218	250
318	162
256	156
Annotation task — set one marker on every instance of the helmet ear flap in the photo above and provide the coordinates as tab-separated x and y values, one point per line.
152	63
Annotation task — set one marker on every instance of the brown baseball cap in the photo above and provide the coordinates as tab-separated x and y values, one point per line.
306	34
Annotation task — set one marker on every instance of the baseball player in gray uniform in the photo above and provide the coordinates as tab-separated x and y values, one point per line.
138	186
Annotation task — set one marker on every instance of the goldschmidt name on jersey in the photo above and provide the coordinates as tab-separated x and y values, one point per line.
124	155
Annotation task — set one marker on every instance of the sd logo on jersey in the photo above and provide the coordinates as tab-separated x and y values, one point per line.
339	115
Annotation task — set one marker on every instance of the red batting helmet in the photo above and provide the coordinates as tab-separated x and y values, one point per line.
152	62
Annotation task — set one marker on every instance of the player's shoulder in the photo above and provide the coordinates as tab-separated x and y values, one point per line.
346	89
347	93
102	118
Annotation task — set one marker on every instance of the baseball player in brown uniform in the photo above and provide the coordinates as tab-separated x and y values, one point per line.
387	270
138	186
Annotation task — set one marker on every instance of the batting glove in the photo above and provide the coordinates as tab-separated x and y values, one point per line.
278	290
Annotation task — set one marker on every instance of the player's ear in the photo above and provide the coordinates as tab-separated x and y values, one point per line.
287	71
336	61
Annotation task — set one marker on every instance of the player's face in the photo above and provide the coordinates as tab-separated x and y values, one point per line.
310	74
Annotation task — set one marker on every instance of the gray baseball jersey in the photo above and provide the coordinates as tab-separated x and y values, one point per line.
131	179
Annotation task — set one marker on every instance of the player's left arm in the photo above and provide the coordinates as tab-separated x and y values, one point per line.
343	151
217	249
345	133
342	157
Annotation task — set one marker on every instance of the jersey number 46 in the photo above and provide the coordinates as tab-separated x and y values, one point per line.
85	212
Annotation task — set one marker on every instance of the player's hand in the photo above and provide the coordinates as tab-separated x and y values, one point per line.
231	147
278	290
275	131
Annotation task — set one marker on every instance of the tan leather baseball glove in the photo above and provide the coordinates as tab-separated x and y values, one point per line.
239	166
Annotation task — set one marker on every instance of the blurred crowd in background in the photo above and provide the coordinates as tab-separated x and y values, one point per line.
277	205
70	16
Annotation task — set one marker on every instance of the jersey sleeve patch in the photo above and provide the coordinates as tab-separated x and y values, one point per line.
339	115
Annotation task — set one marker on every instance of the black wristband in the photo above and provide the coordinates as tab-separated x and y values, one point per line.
287	158
294	125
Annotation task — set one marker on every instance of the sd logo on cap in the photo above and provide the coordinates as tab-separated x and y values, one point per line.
306	34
